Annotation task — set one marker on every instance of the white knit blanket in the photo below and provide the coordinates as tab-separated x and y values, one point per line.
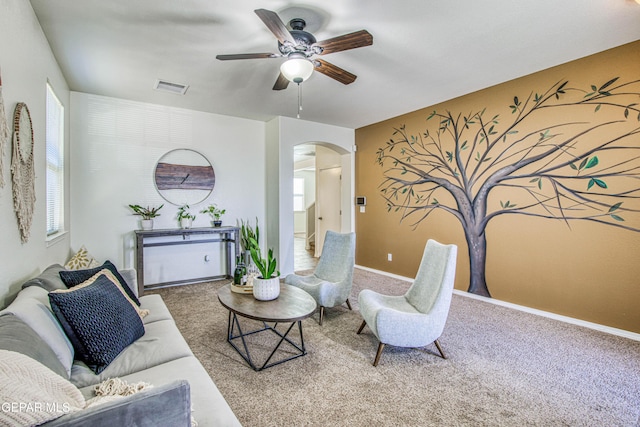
31	393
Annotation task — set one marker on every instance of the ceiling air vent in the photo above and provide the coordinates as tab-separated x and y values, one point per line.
171	87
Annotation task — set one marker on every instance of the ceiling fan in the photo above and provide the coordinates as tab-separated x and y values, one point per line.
300	47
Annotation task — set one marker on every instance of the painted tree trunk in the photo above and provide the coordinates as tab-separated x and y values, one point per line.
477	243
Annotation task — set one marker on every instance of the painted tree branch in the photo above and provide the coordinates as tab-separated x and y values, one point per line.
553	169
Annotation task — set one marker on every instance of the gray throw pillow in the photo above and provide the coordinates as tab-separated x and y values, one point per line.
49	279
15	335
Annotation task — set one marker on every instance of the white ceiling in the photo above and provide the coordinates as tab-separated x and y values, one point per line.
424	51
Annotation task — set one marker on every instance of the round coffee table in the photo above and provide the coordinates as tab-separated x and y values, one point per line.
292	306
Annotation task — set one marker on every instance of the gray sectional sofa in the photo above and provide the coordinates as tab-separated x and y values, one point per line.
182	389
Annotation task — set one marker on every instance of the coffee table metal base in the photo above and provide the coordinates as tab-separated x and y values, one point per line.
233	325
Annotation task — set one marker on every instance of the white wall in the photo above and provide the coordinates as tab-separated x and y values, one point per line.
283	133
116	145
26	62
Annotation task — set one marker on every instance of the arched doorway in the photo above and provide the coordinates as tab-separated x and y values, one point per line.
317	199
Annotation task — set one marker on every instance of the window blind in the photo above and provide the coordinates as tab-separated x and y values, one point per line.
54	140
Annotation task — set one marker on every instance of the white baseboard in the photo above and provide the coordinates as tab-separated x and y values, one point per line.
596	326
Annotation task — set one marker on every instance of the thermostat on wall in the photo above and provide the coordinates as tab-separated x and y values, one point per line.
361	201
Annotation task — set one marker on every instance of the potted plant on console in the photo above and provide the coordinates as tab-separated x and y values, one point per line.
266	286
215	213
147	215
185	218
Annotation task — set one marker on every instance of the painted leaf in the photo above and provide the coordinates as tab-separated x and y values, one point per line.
592	162
595	181
607	84
617	218
600	183
615	207
583	163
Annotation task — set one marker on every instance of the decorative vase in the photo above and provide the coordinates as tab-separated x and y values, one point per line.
266	289
146	224
216	223
240	273
186	222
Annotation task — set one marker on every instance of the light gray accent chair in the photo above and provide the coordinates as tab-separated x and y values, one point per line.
331	282
416	318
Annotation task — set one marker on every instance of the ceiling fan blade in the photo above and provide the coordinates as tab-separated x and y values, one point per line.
281	83
246	56
335	72
345	42
275	25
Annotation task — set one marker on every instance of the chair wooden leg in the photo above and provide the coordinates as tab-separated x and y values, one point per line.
349	304
364	323
378	354
439	349
321	315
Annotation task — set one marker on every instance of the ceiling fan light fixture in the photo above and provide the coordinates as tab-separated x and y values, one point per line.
297	68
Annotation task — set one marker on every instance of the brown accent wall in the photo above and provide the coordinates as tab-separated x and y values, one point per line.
583	270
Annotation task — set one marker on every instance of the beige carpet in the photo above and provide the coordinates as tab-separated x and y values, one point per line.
505	368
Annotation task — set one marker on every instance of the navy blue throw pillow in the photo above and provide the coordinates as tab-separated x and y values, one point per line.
73	278
98	320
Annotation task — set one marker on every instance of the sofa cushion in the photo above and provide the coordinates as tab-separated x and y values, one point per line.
165	405
209	408
161	343
98	319
156	307
17	336
32	307
73	278
81	260
31	393
49	279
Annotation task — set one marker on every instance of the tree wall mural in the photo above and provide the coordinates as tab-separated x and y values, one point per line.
557	156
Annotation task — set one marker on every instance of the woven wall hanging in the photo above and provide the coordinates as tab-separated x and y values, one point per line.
22	171
5	132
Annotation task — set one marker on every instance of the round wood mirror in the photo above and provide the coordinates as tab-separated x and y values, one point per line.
184	176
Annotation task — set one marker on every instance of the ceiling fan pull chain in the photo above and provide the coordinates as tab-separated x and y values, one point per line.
299	99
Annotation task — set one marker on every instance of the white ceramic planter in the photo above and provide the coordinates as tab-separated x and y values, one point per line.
186	222
266	289
146	224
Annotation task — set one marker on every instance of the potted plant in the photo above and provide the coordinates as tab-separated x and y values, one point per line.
215	213
185	218
246	234
147	215
266	286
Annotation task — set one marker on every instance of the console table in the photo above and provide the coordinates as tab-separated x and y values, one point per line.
229	235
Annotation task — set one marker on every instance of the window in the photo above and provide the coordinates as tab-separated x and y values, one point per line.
298	194
55	163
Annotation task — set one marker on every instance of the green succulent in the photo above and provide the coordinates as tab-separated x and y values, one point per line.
266	266
247	233
183	213
214	211
146	213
